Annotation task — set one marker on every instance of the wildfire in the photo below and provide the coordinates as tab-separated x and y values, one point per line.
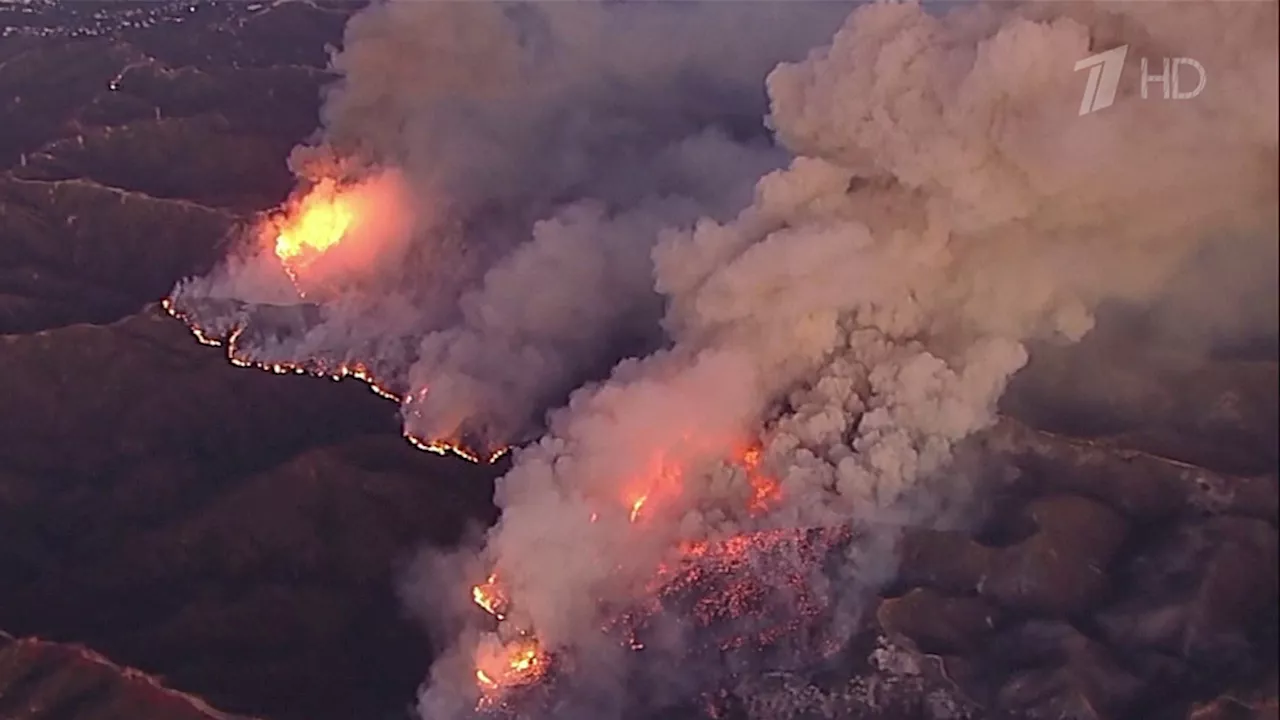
662	479
504	666
235	357
357	371
200	335
515	659
317	224
765	489
636	506
500	668
457	449
489	596
718	581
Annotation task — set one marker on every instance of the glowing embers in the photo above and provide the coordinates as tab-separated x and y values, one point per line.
504	666
750	590
201	336
760	599
238	358
230	338
745	592
457	449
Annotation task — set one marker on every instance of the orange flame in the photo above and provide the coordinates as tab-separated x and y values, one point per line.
500	667
445	448
320	222
765	489
662	479
489	596
509	666
636	506
315	225
354	370
301	234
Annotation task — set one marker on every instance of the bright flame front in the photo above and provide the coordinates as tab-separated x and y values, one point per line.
504	666
319	222
489	596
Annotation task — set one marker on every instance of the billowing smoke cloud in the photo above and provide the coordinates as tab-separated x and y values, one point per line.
864	313
541	149
816	321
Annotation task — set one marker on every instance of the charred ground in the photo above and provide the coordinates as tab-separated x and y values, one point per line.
237	533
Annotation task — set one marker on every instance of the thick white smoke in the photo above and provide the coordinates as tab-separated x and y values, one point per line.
945	203
583	182
540	150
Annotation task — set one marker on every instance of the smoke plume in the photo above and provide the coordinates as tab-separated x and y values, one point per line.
540	150
864	313
816	314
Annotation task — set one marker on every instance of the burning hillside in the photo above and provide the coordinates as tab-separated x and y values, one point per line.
802	324
757	600
324	241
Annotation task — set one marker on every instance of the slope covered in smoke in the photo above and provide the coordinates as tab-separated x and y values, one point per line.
864	314
537	157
